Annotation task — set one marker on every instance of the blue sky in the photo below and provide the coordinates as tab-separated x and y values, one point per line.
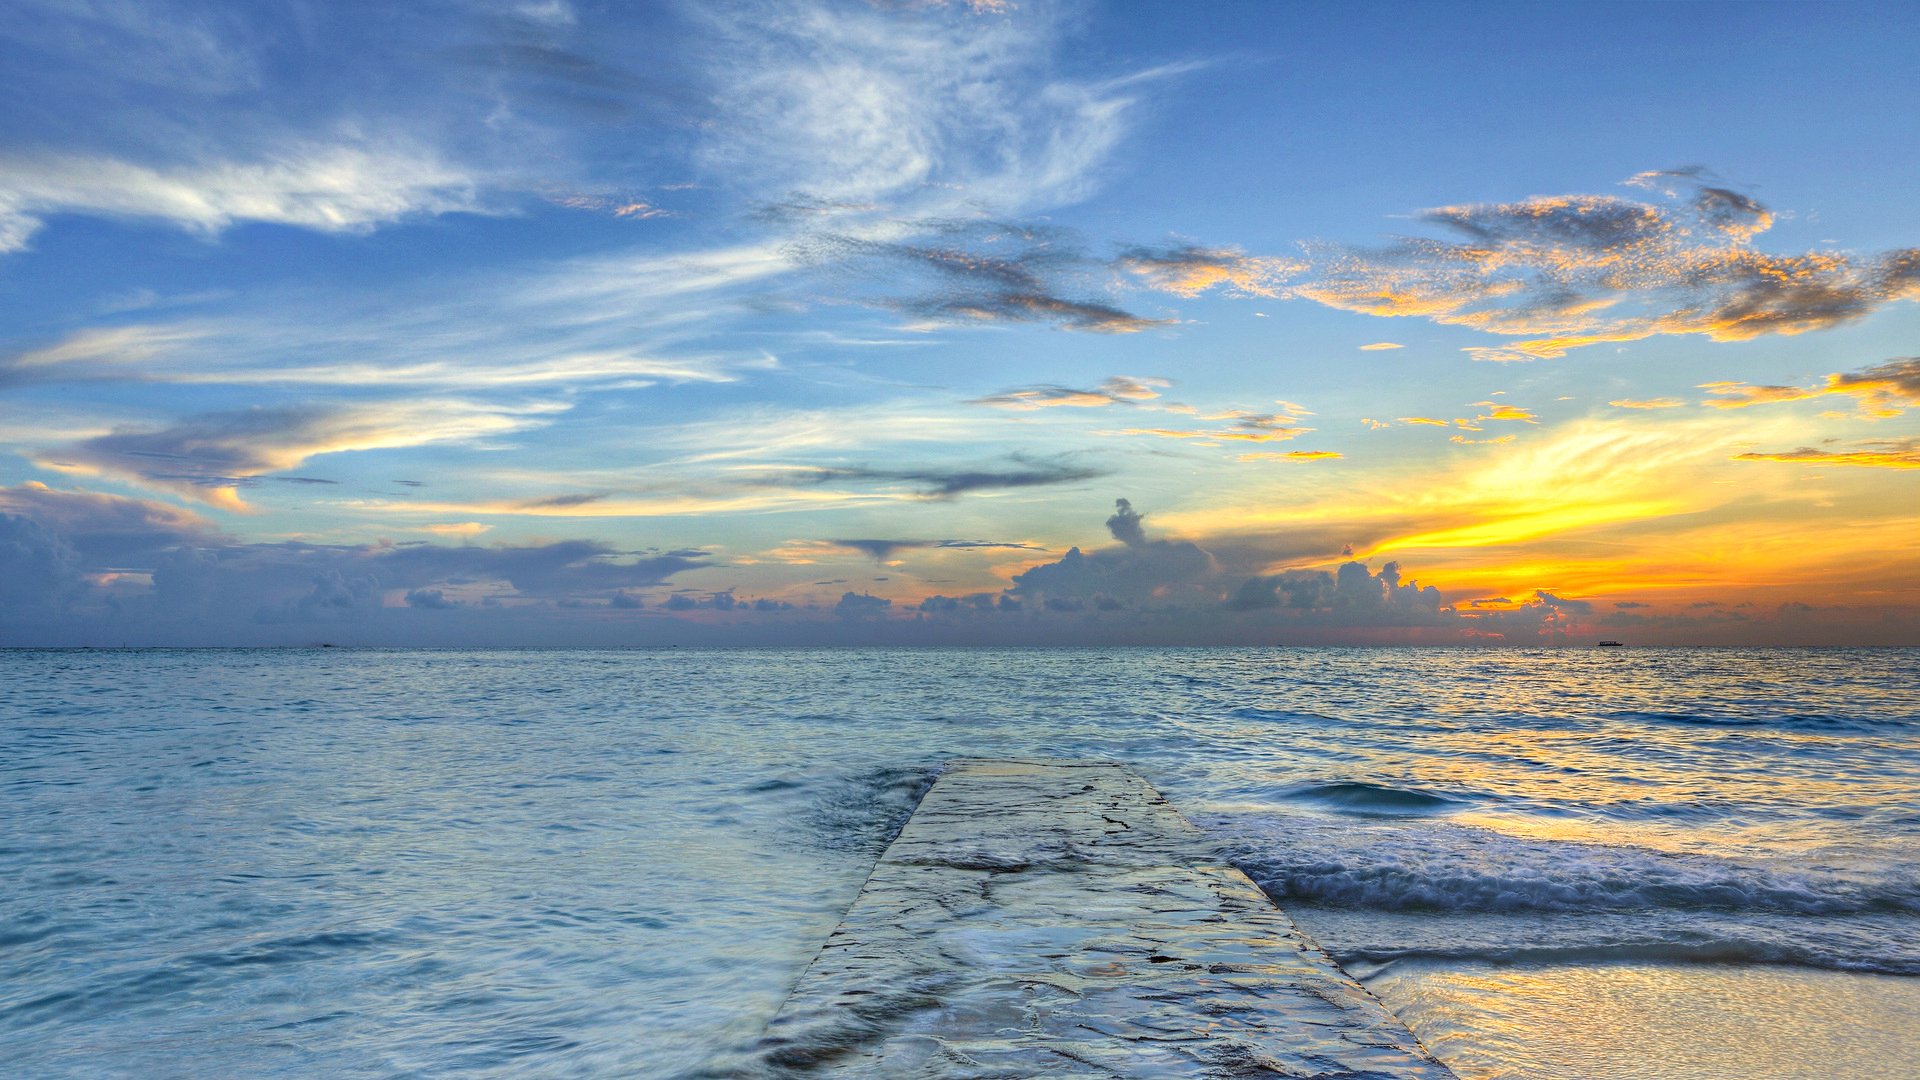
554	322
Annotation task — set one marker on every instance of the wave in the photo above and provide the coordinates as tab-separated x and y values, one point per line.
860	812
1809	722
1427	865
1369	962
1360	797
1600	888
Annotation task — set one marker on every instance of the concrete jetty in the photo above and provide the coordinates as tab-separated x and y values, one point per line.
1060	918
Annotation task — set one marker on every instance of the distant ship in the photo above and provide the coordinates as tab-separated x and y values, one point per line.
1610	644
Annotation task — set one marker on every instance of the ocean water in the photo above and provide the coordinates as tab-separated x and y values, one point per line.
1551	863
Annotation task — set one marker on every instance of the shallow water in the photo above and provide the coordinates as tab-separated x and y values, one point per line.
544	863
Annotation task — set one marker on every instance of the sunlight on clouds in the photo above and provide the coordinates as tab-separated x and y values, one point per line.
1291	455
210	457
1885	454
1580	270
1189	271
1116	390
1881	391
109	345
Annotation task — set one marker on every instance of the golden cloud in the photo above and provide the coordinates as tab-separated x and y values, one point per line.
1887	454
1292	455
1189	271
1883	390
1567	271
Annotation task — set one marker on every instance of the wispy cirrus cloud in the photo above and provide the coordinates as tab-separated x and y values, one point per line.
938	483
880	550
346	187
1118	390
1241	425
1874	454
1567	271
920	111
210	457
1292	455
981	272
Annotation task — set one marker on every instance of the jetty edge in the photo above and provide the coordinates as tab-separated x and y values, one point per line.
1060	918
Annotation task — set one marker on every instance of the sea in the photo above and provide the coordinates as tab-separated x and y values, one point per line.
1569	862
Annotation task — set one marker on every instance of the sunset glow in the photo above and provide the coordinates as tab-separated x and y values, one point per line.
955	322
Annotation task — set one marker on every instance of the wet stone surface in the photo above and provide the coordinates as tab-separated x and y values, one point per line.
1060	918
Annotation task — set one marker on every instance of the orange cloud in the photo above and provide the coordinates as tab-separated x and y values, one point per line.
1381	346
1292	455
211	457
1189	271
1883	390
1247	427
1889	454
1505	412
1563	272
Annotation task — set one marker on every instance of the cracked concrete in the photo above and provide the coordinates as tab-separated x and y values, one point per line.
1060	918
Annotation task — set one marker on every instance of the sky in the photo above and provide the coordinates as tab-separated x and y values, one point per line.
546	322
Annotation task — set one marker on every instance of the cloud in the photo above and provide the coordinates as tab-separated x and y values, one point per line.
108	530
1246	427
1118	390
1351	594
1883	390
1189	270
227	351
1157	573
980	272
37	565
1292	455
562	502
1877	454
1566	271
713	601
1494	411
1647	403
938	483
1125	524
150	572
857	104
882	550
859	605
337	188
211	456
1381	346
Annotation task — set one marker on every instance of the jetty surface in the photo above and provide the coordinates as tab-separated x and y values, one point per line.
1061	918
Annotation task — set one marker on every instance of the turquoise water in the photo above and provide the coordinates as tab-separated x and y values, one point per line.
380	863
